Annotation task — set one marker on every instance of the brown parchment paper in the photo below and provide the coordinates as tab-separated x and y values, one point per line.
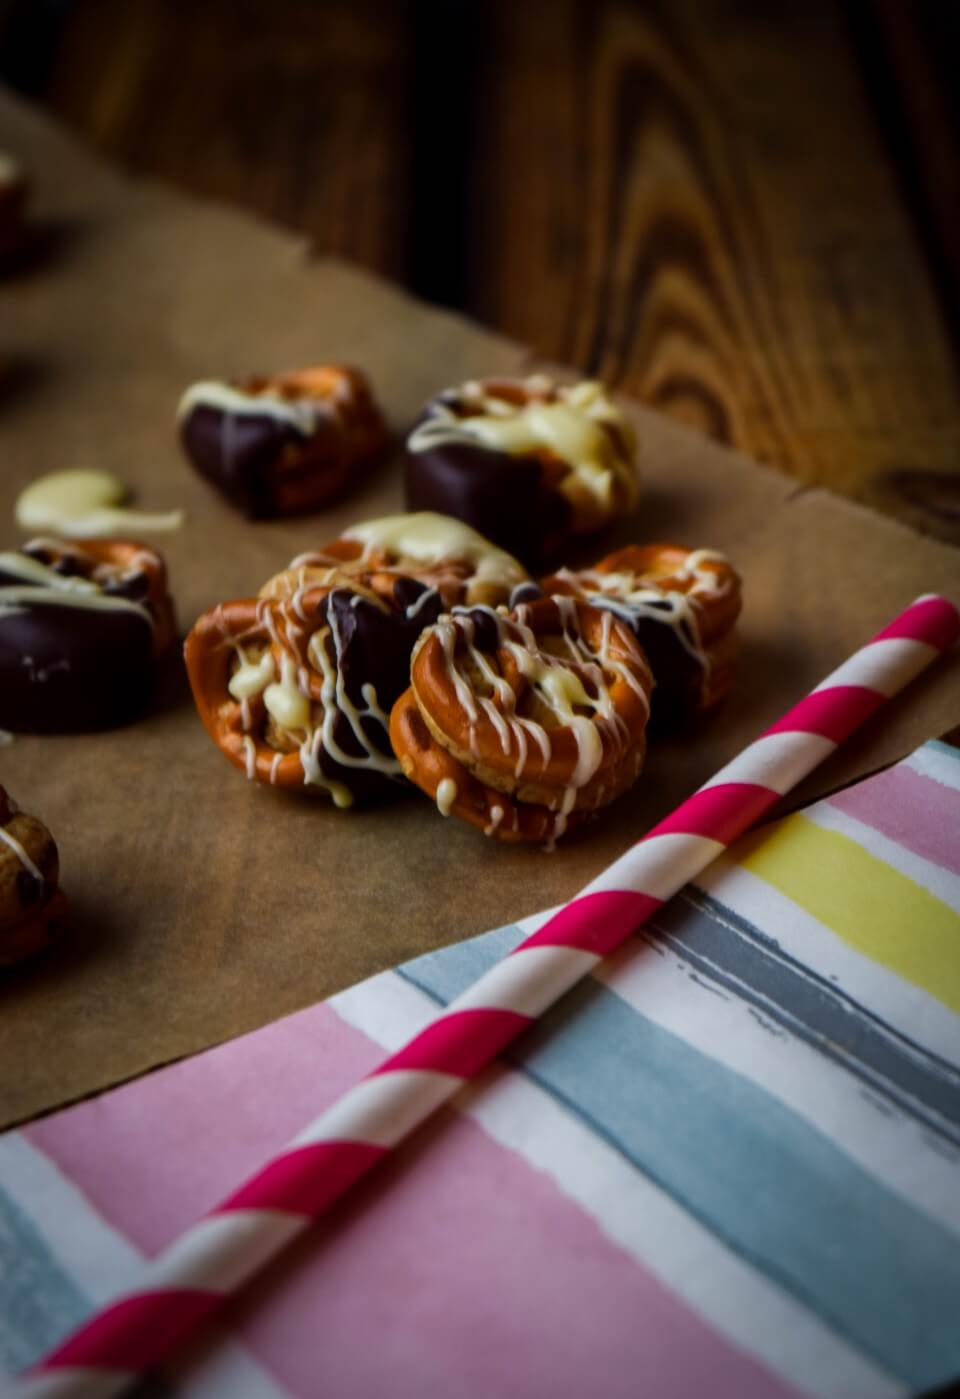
205	906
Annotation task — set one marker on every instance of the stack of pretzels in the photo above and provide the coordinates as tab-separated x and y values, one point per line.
413	648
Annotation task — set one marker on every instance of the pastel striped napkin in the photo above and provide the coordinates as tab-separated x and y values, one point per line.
726	1163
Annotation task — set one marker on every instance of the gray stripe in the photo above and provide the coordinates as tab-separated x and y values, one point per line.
39	1303
733	953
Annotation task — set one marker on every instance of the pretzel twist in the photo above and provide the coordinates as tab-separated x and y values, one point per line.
681	604
282	444
546	706
295	687
444	554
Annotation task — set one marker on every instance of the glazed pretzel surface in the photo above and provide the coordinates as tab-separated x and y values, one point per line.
295	687
444	554
457	792
548	704
664	591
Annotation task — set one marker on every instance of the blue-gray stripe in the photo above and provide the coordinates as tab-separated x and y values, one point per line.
39	1303
774	1189
739	956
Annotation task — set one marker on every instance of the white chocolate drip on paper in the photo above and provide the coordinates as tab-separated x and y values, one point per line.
431	539
569	422
85	505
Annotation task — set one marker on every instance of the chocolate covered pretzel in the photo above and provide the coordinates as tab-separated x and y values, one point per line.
529	463
519	721
281	444
81	628
32	909
295	686
681	605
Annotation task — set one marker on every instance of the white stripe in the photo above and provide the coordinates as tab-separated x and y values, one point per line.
527	981
381	1110
83	1245
658	866
893	1148
219	1253
103	1263
885	666
641	1219
777	761
942	883
907	1008
933	762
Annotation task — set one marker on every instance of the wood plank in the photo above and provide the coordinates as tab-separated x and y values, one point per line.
693	201
291	111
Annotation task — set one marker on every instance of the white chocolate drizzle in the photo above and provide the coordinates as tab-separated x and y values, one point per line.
21	854
431	539
579	424
18	598
629	596
446	795
304	718
85	505
565	687
301	412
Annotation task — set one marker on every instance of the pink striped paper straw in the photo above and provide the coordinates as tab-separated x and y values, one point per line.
213	1259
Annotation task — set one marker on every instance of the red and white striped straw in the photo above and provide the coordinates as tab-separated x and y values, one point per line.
218	1255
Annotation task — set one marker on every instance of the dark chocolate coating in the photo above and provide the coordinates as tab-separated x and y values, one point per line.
69	669
375	649
677	674
239	453
499	495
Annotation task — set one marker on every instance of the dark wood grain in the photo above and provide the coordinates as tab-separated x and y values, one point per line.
722	234
297	109
743	213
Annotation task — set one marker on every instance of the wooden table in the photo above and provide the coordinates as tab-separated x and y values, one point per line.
746	214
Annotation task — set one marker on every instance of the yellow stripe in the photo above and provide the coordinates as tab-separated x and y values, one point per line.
868	904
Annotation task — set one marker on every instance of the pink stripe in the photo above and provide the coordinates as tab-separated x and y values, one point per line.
934	620
720	813
459	1270
459	1043
136	1333
916	811
833	713
227	1098
596	922
307	1179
